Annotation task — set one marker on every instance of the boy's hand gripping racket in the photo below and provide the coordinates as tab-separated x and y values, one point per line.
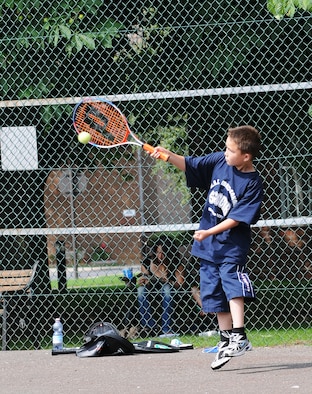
106	124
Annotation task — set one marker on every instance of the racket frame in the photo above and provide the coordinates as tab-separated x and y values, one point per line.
137	141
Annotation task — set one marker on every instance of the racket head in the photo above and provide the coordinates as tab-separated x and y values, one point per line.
105	123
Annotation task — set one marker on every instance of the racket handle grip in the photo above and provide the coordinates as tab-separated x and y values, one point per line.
150	149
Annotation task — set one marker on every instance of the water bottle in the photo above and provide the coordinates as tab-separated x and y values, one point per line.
208	333
57	339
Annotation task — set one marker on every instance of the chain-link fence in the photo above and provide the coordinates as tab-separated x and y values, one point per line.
182	73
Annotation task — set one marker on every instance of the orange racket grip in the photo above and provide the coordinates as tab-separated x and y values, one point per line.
150	149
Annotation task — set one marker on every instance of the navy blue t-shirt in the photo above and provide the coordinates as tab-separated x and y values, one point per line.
231	194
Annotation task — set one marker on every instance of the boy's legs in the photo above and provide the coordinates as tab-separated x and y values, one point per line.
237	308
238	340
225	326
237	286
224	321
233	340
215	300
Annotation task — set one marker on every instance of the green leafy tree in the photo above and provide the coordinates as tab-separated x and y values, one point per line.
79	48
288	8
37	40
34	29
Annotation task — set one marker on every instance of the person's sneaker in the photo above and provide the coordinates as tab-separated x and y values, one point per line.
238	346
249	346
220	358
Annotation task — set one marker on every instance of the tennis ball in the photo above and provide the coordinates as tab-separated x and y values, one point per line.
84	137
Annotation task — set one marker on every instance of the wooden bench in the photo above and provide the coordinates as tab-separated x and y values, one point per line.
14	283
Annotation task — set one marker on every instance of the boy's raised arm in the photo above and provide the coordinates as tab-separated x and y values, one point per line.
174	159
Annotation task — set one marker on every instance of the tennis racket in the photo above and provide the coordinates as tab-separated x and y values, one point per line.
107	125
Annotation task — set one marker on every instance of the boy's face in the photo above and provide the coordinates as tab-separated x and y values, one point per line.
234	156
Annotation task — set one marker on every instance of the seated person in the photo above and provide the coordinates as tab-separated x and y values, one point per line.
163	272
196	296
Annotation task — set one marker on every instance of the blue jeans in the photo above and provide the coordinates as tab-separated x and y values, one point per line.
146	318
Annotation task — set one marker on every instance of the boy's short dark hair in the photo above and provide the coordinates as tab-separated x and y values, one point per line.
247	139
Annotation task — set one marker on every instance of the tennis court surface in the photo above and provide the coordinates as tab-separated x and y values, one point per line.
263	370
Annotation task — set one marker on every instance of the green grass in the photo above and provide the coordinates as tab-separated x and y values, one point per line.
99	281
284	338
289	337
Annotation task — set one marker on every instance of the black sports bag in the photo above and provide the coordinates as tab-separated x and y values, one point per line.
103	339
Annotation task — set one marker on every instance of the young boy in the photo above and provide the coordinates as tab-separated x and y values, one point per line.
234	196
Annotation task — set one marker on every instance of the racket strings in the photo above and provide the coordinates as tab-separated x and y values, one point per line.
103	122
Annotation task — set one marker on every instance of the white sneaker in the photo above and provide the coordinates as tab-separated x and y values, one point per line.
249	346
237	346
220	359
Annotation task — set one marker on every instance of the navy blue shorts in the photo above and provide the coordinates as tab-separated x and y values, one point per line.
219	283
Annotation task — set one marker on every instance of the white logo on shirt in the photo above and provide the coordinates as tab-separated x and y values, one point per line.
219	199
